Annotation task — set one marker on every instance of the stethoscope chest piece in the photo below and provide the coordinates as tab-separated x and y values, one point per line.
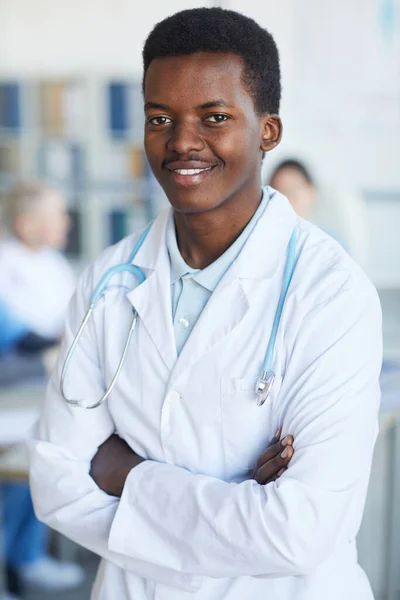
264	386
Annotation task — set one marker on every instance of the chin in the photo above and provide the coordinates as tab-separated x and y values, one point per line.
192	203
194	200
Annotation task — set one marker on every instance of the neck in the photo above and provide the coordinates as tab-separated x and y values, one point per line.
28	243
204	237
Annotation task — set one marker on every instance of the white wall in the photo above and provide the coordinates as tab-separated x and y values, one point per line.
79	36
341	78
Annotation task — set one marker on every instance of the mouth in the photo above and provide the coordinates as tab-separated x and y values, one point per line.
190	177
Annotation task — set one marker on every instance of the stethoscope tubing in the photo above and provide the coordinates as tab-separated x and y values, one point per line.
267	378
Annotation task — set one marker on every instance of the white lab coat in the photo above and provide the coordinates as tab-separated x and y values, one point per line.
36	285
190	524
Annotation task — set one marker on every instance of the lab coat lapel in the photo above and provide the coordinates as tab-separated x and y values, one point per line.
152	299
264	252
215	323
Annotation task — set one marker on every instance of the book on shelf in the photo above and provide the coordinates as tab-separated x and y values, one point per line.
124	220
10	106
136	112
10	158
74	243
125	111
62	108
61	161
118	110
118	224
121	163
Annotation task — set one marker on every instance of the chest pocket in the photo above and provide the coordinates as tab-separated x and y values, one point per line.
247	429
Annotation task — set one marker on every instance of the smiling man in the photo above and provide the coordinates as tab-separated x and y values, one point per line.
251	324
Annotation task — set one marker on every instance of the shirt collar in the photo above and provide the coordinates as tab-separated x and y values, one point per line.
209	277
261	255
178	266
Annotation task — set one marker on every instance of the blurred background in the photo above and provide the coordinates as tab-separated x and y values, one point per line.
71	115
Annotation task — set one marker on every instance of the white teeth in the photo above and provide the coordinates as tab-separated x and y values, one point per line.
190	171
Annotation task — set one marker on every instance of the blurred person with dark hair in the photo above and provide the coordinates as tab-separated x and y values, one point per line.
292	178
338	210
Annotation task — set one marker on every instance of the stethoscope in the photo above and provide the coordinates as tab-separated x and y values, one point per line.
264	383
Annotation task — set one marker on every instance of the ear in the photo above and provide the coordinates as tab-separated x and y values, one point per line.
271	132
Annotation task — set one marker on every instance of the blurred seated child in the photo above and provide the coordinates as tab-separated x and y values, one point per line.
36	284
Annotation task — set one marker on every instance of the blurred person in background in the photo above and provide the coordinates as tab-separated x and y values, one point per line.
36	284
293	180
36	281
340	212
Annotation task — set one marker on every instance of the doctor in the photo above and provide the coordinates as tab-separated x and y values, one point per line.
158	479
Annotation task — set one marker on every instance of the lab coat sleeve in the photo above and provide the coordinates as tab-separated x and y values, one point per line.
330	399
65	440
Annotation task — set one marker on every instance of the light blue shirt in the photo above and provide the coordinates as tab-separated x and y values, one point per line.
191	288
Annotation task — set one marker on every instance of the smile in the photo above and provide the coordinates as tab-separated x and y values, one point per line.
185	178
191	171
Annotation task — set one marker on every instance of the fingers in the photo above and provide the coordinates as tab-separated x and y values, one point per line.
275	448
274	466
269	470
276	437
275	477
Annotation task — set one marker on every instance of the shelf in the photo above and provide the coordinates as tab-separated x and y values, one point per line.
84	135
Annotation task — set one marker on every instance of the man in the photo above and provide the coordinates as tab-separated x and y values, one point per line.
171	503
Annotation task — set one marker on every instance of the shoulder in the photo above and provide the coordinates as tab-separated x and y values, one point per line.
120	253
10	250
14	260
326	272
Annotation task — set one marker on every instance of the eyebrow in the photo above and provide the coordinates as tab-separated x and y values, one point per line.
155	105
212	104
215	104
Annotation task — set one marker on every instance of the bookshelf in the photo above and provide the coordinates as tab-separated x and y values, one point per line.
85	135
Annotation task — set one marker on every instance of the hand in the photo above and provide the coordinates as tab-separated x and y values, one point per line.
271	463
112	464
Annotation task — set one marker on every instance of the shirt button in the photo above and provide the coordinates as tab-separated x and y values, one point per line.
184	322
173	396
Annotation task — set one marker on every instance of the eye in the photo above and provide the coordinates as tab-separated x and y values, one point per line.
159	120
217	118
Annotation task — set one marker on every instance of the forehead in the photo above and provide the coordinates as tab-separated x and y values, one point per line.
196	79
51	200
290	175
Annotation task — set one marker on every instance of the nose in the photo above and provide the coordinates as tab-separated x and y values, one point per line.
185	138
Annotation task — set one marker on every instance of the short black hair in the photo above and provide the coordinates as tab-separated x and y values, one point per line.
221	30
296	165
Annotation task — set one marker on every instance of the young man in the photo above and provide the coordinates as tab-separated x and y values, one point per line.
172	503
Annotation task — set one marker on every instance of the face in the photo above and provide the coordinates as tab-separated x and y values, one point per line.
48	225
203	137
299	192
